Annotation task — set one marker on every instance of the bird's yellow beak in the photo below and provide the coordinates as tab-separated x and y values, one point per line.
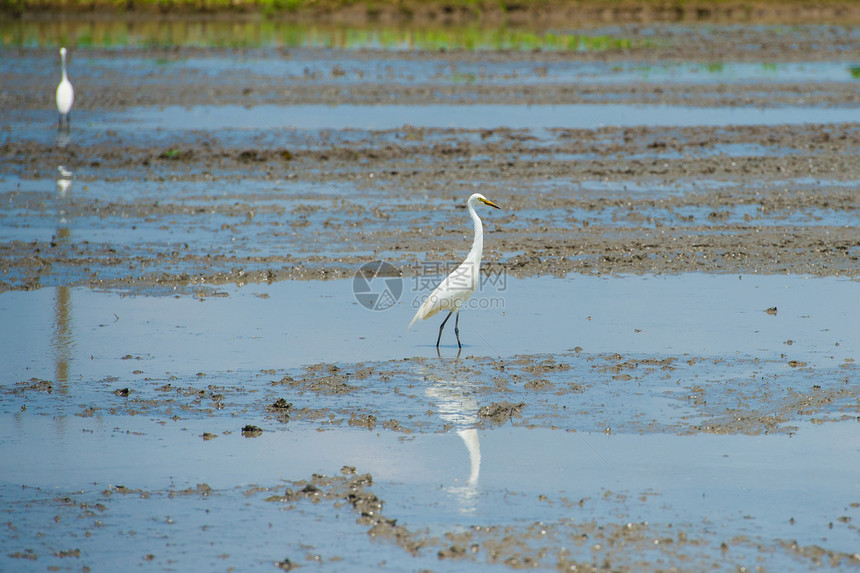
488	202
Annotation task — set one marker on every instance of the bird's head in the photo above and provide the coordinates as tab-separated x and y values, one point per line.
478	198
62	51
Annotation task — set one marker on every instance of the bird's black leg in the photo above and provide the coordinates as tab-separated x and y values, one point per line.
441	326
69	121
60	123
457	329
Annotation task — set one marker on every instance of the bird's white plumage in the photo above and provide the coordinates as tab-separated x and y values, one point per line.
454	290
462	283
65	91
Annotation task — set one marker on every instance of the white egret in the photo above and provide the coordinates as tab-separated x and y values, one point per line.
460	284
65	93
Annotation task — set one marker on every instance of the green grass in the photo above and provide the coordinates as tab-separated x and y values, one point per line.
267	33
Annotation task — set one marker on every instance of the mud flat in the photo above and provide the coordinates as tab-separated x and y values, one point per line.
659	371
724	149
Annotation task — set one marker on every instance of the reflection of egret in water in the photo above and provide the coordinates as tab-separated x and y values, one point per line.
456	405
63	341
63	139
64	184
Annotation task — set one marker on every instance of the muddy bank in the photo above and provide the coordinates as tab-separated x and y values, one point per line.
121	203
588	392
616	200
695	64
335	518
567	544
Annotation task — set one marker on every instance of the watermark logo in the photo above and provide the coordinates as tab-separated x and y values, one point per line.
377	285
430	273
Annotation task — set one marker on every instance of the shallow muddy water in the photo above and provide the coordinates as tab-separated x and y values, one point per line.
658	372
636	454
690	493
293	323
382	117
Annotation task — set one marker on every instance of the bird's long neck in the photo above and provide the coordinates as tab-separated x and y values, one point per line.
478	244
63	60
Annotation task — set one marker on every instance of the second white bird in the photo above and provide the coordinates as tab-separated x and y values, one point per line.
65	93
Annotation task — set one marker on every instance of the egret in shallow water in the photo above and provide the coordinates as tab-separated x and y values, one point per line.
460	284
65	93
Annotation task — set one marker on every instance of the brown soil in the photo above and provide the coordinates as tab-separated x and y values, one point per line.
533	13
781	200
768	214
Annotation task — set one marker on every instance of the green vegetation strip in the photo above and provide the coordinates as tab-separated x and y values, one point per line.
183	32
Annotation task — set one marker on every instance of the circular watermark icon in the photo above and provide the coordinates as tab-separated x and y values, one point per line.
377	285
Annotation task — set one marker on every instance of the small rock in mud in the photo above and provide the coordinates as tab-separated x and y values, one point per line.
285	564
123	392
250	431
771	311
453	552
208	436
26	554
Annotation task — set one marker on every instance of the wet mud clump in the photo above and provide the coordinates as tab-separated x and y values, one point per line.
280	409
251	431
352	489
500	412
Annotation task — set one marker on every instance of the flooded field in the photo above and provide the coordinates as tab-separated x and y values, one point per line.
658	371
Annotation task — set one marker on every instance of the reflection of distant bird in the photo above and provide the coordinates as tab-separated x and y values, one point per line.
63	185
65	179
64	182
65	94
463	282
